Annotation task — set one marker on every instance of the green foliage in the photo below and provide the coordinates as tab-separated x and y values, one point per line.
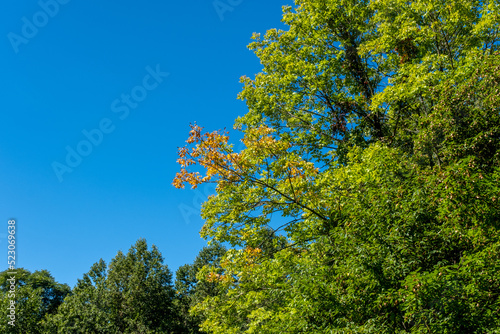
37	295
190	291
374	129
134	294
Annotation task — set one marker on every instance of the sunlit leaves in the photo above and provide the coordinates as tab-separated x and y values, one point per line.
373	134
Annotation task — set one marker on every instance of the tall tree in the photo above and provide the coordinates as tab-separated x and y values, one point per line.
374	128
134	294
191	291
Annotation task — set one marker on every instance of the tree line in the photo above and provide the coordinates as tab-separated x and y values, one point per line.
134	293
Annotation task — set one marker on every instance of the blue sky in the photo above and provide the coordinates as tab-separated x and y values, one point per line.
98	69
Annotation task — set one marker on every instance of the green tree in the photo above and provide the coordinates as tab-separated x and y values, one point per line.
37	295
374	128
134	294
191	291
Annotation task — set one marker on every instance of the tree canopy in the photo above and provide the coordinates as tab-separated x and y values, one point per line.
133	294
374	130
37	295
191	291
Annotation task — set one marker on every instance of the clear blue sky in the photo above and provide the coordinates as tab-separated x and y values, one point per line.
90	65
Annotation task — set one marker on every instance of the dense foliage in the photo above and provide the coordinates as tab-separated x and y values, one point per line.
37	295
373	131
134	294
190	291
